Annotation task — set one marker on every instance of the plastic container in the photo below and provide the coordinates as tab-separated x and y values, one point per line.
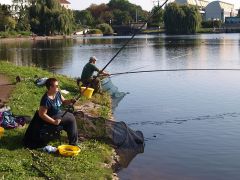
68	150
1	131
87	92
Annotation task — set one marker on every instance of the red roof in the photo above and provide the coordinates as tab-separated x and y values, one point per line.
64	2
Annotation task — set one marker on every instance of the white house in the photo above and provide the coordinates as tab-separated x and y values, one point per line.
7	2
65	3
201	4
219	10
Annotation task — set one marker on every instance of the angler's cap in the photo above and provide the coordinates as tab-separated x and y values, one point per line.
93	58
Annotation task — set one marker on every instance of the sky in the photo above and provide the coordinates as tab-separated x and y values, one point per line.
146	4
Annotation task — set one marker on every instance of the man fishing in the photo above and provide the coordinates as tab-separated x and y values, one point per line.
87	77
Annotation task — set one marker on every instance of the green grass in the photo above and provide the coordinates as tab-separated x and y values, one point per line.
14	34
205	30
95	31
147	31
16	162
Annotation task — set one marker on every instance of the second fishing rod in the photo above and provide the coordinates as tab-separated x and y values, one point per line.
120	50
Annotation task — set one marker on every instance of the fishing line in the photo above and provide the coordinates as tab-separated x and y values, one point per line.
181	120
176	57
171	70
135	33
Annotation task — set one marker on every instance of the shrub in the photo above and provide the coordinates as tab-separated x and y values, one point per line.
95	31
105	28
211	24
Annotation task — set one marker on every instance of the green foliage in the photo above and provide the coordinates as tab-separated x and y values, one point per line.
106	17
16	162
83	17
21	13
183	19
95	31
97	10
49	18
211	24
105	28
157	19
7	23
8	34
119	4
26	97
121	17
116	12
125	12
205	30
14	34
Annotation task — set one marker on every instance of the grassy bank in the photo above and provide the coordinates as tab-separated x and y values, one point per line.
154	31
205	30
16	162
15	34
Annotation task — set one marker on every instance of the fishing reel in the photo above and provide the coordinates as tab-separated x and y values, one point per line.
70	108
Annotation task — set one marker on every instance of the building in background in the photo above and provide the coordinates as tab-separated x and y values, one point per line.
200	3
232	24
65	3
219	10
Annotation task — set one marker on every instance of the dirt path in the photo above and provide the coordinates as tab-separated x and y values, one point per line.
5	88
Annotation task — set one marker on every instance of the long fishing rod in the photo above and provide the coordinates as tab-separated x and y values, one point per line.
113	58
172	70
134	34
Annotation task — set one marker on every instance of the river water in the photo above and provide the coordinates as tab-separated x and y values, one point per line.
190	119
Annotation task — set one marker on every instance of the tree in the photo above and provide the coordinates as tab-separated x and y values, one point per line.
121	17
7	21
122	5
117	12
105	28
21	13
157	19
238	13
83	17
97	10
211	24
181	19
49	17
192	19
128	11
106	17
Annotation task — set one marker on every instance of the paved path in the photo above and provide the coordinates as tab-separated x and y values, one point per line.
5	88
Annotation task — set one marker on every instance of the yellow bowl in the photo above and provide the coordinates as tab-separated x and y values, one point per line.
87	92
68	150
1	131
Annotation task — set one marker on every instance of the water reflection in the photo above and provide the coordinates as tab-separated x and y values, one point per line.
50	55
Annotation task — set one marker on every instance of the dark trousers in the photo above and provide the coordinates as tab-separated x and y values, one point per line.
70	126
93	83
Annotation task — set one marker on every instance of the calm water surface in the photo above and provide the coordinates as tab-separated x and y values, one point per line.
191	120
